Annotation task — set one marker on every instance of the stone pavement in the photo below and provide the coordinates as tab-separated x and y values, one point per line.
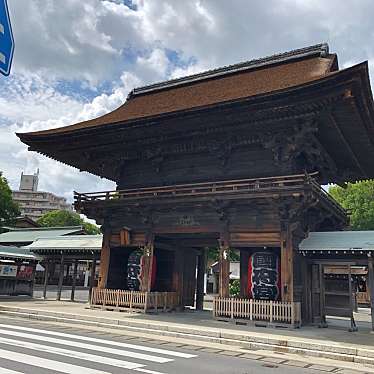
334	342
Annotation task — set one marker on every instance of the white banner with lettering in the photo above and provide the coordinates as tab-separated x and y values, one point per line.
8	270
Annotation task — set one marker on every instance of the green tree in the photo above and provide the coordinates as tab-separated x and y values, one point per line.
234	287
9	209
58	218
358	199
213	254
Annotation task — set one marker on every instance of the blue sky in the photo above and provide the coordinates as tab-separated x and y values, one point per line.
76	60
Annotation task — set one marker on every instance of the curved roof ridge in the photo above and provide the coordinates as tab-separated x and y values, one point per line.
320	50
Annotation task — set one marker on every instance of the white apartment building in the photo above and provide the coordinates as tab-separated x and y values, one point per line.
34	203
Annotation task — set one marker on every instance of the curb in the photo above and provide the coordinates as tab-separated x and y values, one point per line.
305	348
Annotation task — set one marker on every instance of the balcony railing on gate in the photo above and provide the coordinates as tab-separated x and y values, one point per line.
133	300
273	312
242	186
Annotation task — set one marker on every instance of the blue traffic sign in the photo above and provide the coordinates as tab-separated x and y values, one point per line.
6	39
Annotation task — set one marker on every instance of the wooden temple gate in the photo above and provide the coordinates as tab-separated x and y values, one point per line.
179	240
229	158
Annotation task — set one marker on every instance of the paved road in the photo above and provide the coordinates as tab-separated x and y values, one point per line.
42	348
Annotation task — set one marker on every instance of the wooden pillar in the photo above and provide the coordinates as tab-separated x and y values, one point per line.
371	286
287	266
178	277
147	266
244	259
74	280
46	275
60	278
224	267
201	268
92	276
104	261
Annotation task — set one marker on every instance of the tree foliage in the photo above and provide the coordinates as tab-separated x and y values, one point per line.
213	254
358	199
234	288
58	218
9	209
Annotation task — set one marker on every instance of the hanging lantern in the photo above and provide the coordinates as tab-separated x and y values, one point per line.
264	271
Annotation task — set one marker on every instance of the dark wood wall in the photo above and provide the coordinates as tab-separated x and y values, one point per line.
213	165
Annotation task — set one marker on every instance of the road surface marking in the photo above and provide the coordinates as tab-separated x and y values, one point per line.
72	354
148	371
114	351
101	341
8	371
44	363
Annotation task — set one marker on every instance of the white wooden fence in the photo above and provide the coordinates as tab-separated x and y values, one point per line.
273	312
133	300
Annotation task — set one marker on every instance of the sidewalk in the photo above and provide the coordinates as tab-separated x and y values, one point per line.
334	342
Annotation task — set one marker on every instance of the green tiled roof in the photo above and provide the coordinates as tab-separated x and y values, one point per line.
31	234
10	252
71	243
338	240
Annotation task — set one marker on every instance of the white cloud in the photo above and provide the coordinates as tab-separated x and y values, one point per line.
71	39
32	98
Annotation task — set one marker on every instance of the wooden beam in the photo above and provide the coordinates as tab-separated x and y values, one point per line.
287	265
124	235
74	280
244	259
224	266
104	260
371	286
201	268
349	148
147	264
46	275
60	278
178	276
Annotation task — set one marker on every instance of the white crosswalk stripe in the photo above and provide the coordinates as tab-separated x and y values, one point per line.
44	363
8	371
72	354
115	351
147	371
101	341
61	347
